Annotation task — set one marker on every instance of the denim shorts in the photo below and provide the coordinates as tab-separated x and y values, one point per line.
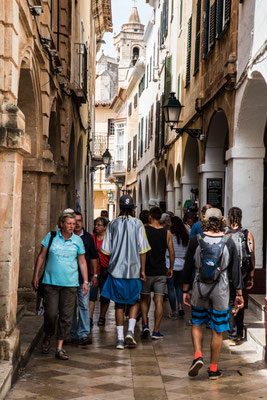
156	284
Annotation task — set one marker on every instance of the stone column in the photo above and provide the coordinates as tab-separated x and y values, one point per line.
170	198
178	200
245	190
14	144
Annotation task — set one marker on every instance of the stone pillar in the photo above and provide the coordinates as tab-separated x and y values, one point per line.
14	143
178	200
170	198
245	190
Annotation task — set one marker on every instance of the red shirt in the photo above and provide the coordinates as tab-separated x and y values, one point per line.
104	259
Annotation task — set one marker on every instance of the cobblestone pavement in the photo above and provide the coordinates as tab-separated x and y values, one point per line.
155	370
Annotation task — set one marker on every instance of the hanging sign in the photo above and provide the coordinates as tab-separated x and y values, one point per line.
214	191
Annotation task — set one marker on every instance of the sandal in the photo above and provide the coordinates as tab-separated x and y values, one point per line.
46	345
101	321
61	354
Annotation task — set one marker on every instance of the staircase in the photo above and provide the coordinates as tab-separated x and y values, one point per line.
255	323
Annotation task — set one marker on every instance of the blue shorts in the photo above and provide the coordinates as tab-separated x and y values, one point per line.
123	291
216	320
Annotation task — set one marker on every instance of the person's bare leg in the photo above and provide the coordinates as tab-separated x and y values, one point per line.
197	337
119	317
103	310
158	300
145	302
133	311
215	347
92	308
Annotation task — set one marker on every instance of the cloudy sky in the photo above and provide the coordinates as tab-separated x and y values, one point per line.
121	10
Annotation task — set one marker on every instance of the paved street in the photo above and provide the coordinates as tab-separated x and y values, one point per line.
155	370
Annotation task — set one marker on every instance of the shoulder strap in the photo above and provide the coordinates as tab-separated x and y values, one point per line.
53	234
97	251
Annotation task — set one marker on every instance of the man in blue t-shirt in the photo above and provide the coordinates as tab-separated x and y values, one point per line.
197	228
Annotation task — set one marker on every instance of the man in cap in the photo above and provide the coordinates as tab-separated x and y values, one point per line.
211	258
126	244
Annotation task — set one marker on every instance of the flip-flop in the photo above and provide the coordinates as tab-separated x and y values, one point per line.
101	321
46	345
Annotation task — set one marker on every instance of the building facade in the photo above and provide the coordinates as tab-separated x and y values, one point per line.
47	74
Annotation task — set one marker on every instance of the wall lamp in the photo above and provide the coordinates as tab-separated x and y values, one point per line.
172	110
35	10
106	158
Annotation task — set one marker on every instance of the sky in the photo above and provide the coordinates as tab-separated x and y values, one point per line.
121	10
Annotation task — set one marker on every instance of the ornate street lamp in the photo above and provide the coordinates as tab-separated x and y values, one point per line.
172	110
106	157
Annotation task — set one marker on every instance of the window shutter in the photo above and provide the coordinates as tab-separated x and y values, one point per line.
179	86
129	157
146	134
227	12
139	141
219	17
134	150
206	28
188	57
168	76
142	137
151	122
181	13
197	42
166	17
212	25
157	129
161	29
148	128
162	128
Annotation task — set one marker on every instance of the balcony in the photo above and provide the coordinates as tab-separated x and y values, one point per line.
80	85
99	145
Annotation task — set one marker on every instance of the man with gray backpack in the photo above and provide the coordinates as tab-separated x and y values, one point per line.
244	242
212	259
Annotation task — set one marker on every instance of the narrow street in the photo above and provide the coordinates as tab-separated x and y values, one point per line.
155	370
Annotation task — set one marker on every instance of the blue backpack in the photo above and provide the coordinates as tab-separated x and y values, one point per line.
210	267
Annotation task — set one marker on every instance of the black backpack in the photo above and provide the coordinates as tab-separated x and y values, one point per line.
240	237
210	267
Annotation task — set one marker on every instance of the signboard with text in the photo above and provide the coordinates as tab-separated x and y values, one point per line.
214	192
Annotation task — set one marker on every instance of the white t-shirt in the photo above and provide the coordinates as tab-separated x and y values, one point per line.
179	251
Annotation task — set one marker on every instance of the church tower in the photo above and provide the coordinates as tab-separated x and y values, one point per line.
129	45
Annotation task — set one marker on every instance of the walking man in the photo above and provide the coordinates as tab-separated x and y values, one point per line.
197	226
81	326
156	273
126	244
212	255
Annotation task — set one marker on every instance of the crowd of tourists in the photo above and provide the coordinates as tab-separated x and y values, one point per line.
207	265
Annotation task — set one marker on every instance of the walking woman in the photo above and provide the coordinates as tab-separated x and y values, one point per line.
103	260
180	240
60	281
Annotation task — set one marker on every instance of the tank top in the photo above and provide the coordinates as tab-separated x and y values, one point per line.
155	258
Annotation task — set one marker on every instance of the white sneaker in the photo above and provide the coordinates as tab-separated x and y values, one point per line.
129	339
120	345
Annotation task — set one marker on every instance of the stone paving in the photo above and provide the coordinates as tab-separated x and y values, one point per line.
155	370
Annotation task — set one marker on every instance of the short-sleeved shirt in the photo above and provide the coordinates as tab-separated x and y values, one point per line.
62	263
196	229
90	253
124	241
103	259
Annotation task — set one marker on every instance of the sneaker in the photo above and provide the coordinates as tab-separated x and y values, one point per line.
173	315
215	375
145	331
85	341
157	335
120	345
195	367
232	342
129	339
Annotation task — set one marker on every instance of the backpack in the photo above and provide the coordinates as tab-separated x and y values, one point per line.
210	266
240	237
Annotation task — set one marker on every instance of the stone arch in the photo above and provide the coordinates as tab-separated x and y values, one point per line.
135	54
214	170
170	190
146	200
162	189
177	192
190	173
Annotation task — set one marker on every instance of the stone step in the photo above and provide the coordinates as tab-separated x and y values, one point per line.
20	312
31	328
256	304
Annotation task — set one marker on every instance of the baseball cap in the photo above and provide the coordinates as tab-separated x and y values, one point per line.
126	201
213	213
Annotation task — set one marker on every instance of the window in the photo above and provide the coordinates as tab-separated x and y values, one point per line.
151	122
157	129
120	142
223	15
179	87
146	134
135	55
142	85
148	129
129	157
197	41
111	127
147	71
188	51
135	100
134	150
142	138
130	109
181	14
164	19
168	76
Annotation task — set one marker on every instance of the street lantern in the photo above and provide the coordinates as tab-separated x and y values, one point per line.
106	157
172	110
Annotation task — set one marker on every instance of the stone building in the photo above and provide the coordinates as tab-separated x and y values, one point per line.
47	58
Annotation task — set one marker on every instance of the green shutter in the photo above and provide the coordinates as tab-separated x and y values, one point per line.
227	12
166	16
188	57
181	13
219	17
197	41
157	129
168	76
206	28
212	25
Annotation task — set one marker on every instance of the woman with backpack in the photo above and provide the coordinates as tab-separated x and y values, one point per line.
180	239
244	242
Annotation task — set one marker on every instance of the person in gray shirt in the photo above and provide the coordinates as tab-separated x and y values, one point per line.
126	244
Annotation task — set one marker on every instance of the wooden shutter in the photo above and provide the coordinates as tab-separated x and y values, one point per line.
142	137
212	25
168	76
146	133
148	129
139	141
157	129
206	28
219	17
188	57
197	42
162	125
161	29
181	13
129	157
166	17
134	150
227	12
151	121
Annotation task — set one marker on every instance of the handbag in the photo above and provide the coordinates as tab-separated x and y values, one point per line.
40	290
